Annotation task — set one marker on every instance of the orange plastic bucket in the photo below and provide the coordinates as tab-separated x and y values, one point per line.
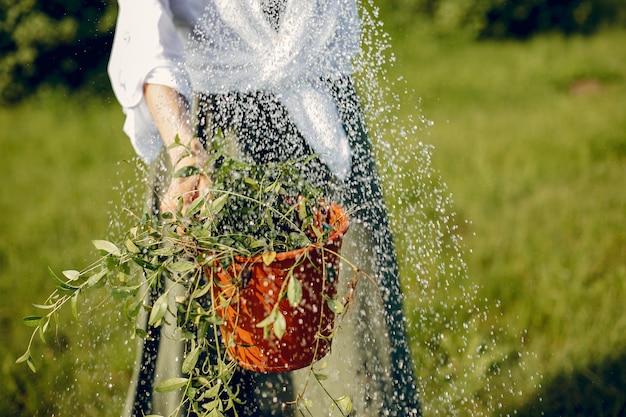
309	324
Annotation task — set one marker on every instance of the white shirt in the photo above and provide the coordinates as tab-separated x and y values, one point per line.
219	46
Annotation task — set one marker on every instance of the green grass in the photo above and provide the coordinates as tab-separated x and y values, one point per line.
537	169
59	166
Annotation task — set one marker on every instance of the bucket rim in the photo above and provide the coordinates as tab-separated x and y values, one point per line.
340	227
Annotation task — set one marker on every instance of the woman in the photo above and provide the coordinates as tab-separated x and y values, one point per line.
275	75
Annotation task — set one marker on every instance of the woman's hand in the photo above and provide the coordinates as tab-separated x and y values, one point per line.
190	187
170	112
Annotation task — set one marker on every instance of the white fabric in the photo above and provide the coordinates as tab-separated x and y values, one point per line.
233	47
146	39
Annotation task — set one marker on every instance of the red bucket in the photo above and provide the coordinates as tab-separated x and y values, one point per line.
309	325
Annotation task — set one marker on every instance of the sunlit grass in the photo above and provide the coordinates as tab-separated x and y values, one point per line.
60	164
531	140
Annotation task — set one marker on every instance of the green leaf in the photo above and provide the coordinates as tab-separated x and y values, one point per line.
191	360
268	320
158	310
26	357
215	413
95	278
218	204
182	266
106	246
171	384
214	390
45	306
32	321
268	257
335	306
196	204
130	245
132	308
43	328
72	274
74	305
302	214
345	404
320	377
142	333
294	291
258	243
201	292
280	325
60	284
318	233
273	187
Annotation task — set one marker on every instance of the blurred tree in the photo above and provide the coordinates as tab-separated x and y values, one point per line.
53	42
508	18
67	42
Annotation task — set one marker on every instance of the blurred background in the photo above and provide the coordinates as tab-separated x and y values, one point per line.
524	102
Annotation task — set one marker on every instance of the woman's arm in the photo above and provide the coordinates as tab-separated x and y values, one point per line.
170	112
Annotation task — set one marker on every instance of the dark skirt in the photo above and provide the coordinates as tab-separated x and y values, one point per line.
371	359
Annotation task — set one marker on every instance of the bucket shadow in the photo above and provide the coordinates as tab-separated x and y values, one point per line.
598	390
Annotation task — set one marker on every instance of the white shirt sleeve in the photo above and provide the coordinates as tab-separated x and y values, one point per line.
146	48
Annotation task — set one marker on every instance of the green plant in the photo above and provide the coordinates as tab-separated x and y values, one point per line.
250	211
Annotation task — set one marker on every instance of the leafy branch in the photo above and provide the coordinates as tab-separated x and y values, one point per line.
249	212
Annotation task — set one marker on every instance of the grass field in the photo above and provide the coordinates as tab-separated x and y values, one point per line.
531	141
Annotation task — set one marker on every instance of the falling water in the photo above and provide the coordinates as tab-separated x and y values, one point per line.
463	355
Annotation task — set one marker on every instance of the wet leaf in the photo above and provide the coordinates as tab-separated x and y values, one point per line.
335	306
251	182
191	360
26	357
74	302
302	214
317	232
132	308
273	187
196	204
106	246
95	278
268	320
294	291
71	274
214	390
45	323
165	251
44	306
182	266
320	377
258	243
268	257
218	204
345	404
130	245
201	292
60	284
158	310
171	384
280	325
141	333
32	321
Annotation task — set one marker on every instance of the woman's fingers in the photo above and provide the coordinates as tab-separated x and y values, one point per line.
187	188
